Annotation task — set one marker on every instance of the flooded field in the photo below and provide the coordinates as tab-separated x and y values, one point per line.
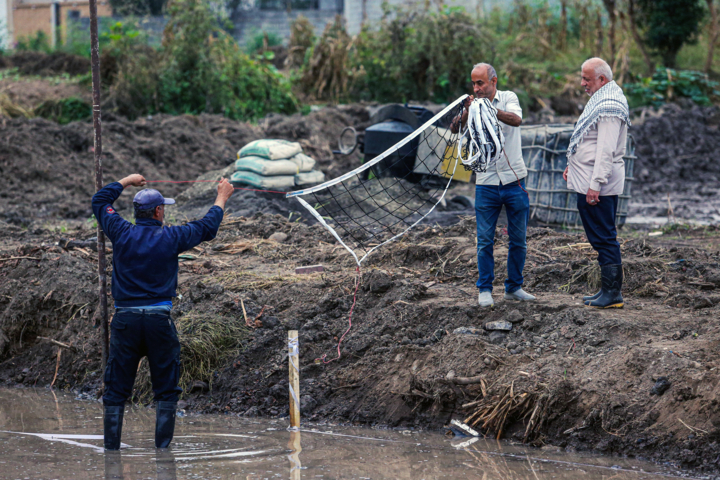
49	435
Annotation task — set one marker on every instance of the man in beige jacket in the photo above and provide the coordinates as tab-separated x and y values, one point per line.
596	171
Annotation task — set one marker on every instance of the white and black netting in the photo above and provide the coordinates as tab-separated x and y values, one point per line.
391	193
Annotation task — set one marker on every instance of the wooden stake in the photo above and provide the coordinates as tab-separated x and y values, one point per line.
97	127
294	380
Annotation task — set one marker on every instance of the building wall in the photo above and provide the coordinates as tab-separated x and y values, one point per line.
4	22
29	17
370	11
250	23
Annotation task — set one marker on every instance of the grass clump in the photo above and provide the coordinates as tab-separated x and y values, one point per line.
207	342
64	110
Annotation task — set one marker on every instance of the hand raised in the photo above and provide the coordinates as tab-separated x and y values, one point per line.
225	188
134	180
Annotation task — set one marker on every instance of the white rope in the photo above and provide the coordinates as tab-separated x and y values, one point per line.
374	161
322	221
293	352
380	157
485	132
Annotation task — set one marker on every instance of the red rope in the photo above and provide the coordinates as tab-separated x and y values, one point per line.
357	284
214	181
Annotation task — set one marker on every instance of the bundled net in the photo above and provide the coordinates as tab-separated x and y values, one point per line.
391	193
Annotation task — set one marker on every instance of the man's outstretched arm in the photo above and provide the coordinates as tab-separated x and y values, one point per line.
207	227
102	203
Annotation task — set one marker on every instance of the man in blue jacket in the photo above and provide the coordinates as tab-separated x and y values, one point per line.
144	280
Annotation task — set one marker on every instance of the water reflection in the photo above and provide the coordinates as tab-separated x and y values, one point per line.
294	457
164	466
45	435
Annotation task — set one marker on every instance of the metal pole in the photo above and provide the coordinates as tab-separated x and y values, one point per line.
97	127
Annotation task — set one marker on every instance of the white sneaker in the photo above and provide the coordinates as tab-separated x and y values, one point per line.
519	295
485	299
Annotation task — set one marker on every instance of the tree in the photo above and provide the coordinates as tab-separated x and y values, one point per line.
612	17
668	25
714	33
633	21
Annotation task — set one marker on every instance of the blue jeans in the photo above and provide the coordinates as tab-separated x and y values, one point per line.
489	200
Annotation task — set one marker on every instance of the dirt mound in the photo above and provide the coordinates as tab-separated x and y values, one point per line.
677	148
43	64
49	169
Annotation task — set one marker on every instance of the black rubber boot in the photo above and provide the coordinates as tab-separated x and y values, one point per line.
592	297
113	421
165	423
610	294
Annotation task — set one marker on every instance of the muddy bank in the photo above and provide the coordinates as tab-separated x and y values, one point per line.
44	64
589	373
677	156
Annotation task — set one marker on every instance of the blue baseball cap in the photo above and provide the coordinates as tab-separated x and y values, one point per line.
150	198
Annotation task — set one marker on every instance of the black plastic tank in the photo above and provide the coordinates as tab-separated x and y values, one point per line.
390	125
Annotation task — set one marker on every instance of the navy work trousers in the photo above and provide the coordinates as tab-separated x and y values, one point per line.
599	224
141	334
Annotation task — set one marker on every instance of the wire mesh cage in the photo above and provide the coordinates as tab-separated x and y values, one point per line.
545	153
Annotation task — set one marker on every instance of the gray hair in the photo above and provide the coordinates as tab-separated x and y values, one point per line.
600	67
490	70
143	213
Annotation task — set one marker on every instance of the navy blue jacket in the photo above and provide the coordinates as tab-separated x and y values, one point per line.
145	263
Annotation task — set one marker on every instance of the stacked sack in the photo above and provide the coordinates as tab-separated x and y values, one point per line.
275	164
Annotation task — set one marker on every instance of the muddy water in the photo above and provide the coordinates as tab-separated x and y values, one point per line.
50	435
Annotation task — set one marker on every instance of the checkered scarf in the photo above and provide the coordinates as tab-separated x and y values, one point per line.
608	101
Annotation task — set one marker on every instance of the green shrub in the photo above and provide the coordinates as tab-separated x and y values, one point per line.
667	84
199	69
39	42
419	55
302	38
261	41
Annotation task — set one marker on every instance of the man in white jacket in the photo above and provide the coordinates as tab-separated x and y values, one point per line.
596	171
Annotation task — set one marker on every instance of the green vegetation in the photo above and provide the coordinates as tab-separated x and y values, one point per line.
39	42
422	52
198	69
262	41
537	49
666	85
